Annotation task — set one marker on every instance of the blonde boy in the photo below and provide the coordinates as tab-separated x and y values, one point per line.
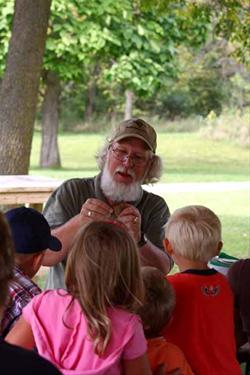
202	324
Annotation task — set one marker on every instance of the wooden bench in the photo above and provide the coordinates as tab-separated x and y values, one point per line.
32	191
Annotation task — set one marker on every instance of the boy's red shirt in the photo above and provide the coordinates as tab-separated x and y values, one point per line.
203	323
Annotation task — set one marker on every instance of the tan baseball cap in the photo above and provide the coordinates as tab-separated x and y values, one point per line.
137	128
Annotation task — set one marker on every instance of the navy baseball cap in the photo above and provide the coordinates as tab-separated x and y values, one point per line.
31	231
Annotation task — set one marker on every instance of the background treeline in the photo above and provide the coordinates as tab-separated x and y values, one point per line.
181	64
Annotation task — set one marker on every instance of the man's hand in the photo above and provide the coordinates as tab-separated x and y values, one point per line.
94	209
131	218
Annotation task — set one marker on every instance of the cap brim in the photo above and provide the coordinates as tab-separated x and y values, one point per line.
134	135
55	244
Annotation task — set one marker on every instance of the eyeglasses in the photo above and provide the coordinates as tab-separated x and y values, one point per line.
122	155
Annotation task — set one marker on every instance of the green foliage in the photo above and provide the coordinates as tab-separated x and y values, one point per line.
6	13
229	19
206	93
208	80
233	24
139	45
149	48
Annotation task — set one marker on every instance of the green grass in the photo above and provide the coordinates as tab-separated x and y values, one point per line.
187	158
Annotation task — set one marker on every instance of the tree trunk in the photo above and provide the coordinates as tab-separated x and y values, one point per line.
128	104
91	93
19	88
49	154
90	101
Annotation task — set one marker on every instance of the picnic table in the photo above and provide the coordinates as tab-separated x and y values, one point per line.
32	191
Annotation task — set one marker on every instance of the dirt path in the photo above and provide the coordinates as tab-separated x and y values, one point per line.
161	188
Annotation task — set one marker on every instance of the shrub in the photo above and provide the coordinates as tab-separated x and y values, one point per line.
229	126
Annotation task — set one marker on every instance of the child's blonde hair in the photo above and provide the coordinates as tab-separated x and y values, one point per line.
102	271
159	302
194	232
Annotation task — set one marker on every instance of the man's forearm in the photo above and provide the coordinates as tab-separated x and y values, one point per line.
65	233
151	255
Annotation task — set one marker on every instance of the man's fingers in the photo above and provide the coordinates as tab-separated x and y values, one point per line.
96	208
129	210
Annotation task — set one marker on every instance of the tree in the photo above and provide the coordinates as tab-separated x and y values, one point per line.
49	153
118	46
19	87
129	45
230	19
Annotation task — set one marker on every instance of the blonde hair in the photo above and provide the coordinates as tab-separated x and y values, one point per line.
153	174
159	302
6	258
194	232
103	270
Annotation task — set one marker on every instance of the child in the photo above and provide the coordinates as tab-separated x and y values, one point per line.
155	314
202	324
239	280
31	236
91	328
15	360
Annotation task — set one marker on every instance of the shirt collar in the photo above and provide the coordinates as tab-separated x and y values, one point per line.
207	272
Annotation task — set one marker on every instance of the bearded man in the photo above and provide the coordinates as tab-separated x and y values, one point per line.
126	161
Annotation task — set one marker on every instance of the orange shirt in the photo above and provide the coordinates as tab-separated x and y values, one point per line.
202	324
160	351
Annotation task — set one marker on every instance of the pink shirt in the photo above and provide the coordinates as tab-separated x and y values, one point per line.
60	335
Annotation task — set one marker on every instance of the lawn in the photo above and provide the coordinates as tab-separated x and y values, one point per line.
187	158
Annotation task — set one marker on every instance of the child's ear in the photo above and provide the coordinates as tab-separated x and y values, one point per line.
220	245
167	246
37	259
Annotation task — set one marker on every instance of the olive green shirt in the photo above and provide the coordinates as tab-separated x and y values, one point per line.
67	200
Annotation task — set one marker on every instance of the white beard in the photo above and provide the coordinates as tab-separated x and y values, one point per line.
119	192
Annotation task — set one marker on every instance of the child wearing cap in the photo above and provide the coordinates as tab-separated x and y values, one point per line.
31	236
203	318
155	314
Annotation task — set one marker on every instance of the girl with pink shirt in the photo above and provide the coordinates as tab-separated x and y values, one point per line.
92	327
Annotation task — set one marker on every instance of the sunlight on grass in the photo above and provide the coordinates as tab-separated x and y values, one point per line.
186	158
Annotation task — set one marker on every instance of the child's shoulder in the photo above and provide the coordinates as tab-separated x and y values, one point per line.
123	319
159	349
121	314
160	343
190	278
195	274
177	277
57	296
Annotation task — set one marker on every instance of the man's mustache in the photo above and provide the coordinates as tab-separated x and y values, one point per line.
129	172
